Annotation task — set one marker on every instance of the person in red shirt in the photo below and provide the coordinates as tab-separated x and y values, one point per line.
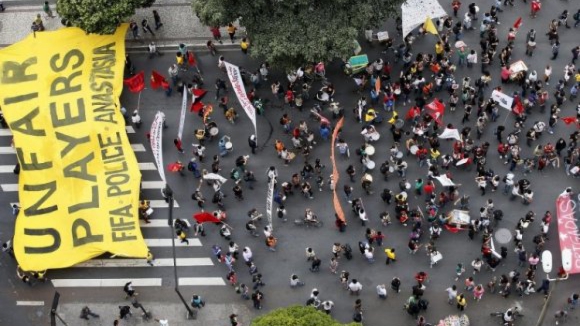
429	188
456	4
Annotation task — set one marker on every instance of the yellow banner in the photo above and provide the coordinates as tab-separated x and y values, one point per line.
79	179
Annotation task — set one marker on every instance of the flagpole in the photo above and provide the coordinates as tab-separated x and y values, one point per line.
139	100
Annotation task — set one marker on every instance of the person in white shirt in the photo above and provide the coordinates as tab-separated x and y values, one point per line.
354	287
327	306
382	291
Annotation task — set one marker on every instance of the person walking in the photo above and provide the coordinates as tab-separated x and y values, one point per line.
129	291
461	302
47	10
451	294
555	50
354	287
391	256
146	27
86	312
253	143
124	312
232	31
157	19
153	50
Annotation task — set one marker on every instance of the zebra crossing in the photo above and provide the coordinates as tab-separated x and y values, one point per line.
192	260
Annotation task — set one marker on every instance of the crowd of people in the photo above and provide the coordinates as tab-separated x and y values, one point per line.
427	81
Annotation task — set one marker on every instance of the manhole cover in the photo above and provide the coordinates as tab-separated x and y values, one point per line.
503	236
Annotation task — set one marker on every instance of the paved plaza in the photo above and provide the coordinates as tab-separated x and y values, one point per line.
101	288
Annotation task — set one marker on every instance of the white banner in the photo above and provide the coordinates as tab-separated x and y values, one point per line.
505	101
157	142
238	86
182	116
445	181
415	13
269	199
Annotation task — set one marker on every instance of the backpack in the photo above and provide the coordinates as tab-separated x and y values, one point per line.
190	166
576	16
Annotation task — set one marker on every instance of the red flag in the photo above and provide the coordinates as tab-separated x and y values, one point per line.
191	59
518	23
518	108
569	120
196	106
436	110
156	79
136	83
205	217
198	93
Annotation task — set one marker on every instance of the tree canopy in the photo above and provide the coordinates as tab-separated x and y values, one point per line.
289	33
297	316
98	16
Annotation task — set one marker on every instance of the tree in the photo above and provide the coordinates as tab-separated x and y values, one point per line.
290	33
98	16
297	316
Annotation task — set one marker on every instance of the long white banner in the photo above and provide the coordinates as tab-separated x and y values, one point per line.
157	142
238	86
269	199
182	116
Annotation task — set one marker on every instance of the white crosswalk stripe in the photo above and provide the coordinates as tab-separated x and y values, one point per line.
152	184
161	262
158	223
104	282
7	150
167	243
9	187
201	281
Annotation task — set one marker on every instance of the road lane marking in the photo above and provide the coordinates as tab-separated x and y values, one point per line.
30	303
167	243
161	262
104	282
201	281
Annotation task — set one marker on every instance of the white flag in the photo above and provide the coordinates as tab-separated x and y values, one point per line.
503	100
157	142
450	133
269	200
182	116
238	86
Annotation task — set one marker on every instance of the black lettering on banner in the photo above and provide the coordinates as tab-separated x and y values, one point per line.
14	72
68	119
123	211
34	165
105	49
78	239
79	169
93	203
108	154
78	54
122	236
20	98
72	142
65	83
34	209
43	233
24	124
110	141
99	87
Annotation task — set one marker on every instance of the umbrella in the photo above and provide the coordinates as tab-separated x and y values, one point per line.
460	44
175	167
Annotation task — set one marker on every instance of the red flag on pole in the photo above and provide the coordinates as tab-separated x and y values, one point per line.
197	104
436	110
518	107
136	83
157	80
191	59
205	217
569	120
518	23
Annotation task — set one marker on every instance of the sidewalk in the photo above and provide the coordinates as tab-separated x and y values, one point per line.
180	25
211	314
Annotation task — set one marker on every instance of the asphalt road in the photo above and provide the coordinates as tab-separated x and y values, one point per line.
290	258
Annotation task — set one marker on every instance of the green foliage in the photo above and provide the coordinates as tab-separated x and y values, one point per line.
99	16
297	316
289	33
